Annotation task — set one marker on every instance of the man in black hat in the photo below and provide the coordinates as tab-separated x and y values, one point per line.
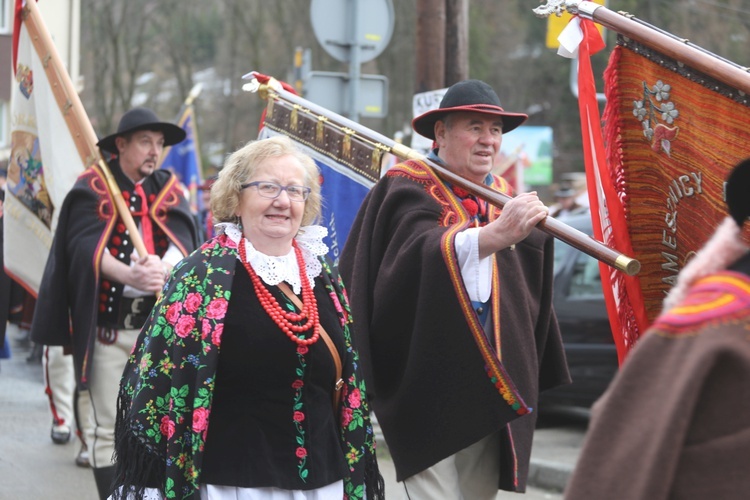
453	307
96	291
566	204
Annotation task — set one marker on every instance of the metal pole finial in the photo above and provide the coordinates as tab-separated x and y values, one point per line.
556	7
581	8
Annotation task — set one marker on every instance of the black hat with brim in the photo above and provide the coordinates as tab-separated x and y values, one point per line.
565	193
472	96
738	186
142	119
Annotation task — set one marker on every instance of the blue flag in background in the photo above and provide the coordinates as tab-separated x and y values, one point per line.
342	196
343	191
184	159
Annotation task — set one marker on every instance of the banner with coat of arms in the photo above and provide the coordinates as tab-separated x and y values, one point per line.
673	135
656	171
44	163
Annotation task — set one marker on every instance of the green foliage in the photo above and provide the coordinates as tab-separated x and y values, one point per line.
202	34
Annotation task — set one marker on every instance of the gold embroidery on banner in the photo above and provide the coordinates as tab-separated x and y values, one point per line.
320	129
377	154
346	146
294	118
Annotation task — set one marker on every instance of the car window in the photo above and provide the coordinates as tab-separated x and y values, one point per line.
561	250
585	280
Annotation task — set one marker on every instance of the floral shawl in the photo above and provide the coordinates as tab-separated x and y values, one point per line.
164	403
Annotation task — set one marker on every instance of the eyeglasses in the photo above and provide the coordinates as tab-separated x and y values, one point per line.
271	190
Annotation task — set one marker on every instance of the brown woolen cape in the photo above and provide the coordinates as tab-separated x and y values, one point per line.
436	382
675	422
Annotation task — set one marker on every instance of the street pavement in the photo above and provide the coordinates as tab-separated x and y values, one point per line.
33	467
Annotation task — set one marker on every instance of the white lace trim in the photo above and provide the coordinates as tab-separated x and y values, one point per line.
275	269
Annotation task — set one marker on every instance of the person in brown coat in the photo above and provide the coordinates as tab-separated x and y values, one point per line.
675	423
453	300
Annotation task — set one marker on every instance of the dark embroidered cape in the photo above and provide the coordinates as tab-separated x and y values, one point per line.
435	378
69	293
675	422
165	396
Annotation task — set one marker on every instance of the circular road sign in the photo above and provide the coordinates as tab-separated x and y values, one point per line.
336	32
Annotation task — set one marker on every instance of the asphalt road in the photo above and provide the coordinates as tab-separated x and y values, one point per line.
33	467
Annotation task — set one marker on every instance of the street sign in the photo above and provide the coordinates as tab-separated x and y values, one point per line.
332	22
331	91
422	103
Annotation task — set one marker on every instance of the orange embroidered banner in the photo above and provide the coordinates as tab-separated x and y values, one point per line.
672	136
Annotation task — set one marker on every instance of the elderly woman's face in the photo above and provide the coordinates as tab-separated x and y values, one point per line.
271	224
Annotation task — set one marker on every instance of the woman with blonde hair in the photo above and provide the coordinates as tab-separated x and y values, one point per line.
244	382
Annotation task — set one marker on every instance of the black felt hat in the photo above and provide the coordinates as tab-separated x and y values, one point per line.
469	95
565	193
142	119
738	192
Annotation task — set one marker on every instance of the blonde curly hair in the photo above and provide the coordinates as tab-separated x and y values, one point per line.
242	165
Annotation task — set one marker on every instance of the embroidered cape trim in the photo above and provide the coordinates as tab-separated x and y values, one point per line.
456	218
719	298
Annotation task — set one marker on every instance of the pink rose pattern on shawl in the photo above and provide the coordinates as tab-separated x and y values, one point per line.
193	302
184	315
189	319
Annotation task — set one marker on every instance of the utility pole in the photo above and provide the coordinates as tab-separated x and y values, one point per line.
430	45
456	41
442	43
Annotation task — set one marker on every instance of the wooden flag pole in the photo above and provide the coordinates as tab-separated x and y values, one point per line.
75	116
677	48
270	90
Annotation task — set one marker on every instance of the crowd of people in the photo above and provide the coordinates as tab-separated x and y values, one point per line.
224	356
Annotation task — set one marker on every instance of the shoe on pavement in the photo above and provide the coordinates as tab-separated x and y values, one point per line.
82	459
60	434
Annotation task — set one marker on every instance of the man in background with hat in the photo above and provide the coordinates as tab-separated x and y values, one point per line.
566	203
96	291
453	303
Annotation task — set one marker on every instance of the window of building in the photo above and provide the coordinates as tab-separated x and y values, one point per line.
6	17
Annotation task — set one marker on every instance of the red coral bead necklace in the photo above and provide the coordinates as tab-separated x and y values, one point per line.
286	319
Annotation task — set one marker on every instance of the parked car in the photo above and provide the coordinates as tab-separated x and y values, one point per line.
582	314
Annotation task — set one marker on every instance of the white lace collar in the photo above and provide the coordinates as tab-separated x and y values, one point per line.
275	269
